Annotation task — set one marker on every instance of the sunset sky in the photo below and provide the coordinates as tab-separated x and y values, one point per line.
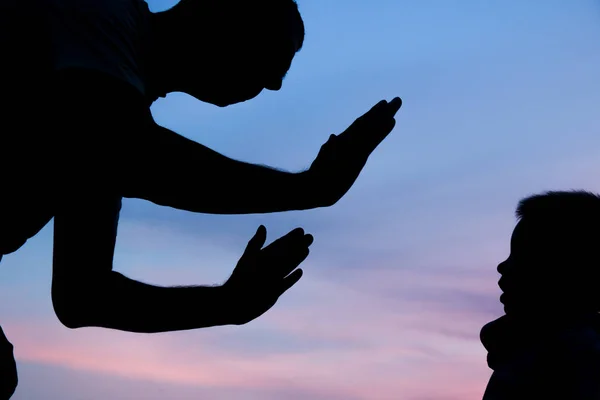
500	101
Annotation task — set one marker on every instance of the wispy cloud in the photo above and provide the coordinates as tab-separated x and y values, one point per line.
343	337
499	102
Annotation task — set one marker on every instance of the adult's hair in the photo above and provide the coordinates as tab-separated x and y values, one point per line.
246	17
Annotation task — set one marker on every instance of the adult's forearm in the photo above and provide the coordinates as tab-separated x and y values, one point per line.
118	302
230	186
251	188
174	171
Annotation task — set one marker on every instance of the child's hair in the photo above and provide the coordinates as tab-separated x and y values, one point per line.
570	205
566	226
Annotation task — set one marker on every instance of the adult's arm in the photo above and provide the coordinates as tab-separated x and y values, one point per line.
112	135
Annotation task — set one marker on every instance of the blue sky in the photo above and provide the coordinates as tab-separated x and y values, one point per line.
500	102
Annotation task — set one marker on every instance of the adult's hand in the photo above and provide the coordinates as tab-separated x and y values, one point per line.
262	275
343	156
8	368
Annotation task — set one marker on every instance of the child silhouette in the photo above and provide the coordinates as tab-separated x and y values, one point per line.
547	345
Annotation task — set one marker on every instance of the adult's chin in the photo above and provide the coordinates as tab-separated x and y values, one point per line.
237	99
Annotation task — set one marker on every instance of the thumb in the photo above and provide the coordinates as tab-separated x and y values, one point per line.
257	241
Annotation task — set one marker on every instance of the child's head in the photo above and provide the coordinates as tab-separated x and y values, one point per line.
554	262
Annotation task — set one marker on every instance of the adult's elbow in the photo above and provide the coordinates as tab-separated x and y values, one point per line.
72	310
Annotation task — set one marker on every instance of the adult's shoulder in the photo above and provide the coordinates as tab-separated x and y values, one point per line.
99	5
82	93
110	36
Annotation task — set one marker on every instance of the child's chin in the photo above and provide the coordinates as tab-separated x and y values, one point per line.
518	312
508	307
508	310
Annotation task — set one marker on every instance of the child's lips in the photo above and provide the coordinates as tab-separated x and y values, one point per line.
509	285
502	298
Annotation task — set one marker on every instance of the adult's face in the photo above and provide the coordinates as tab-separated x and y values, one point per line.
238	66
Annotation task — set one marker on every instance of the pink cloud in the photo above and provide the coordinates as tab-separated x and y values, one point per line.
399	332
393	348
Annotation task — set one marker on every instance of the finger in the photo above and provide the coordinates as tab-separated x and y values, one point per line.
294	239
291	236
282	257
290	260
309	239
290	280
383	107
376	135
382	118
296	232
376	110
370	118
382	112
379	136
378	107
395	105
257	241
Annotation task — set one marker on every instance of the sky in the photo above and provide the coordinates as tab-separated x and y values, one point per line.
500	99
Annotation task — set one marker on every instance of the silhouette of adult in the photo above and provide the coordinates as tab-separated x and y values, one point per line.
547	346
8	368
78	78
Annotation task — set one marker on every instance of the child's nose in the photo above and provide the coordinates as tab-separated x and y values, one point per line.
502	267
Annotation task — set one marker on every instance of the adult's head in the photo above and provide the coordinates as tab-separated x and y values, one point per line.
554	262
225	51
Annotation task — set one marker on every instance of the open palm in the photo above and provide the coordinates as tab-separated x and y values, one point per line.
262	275
342	158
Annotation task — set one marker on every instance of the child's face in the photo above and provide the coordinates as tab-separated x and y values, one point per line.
514	288
534	276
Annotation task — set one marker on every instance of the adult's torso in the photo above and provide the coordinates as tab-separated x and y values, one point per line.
39	37
39	41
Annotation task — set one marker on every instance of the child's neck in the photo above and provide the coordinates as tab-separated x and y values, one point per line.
513	334
552	321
